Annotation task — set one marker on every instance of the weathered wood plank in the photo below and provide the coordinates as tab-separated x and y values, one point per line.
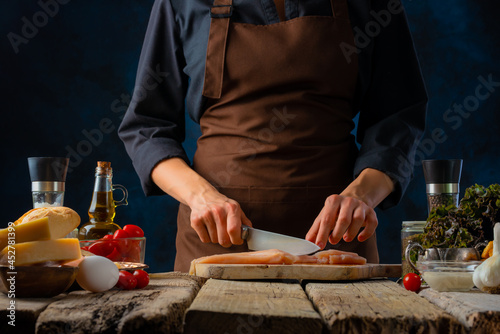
158	308
25	313
479	312
251	307
377	306
296	271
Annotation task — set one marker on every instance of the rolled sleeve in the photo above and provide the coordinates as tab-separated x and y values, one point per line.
153	128
393	110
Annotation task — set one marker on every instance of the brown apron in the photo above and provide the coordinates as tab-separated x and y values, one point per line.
276	133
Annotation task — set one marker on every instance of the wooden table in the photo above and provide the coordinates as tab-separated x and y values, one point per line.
178	303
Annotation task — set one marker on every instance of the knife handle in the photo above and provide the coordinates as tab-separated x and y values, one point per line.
244	231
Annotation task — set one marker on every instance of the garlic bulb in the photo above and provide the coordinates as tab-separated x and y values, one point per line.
487	274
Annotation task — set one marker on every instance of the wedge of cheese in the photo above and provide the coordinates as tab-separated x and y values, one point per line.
33	252
37	229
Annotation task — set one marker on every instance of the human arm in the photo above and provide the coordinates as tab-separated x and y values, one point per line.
215	217
392	101
153	128
344	214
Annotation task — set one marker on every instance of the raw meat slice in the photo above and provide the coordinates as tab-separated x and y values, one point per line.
270	256
276	256
333	256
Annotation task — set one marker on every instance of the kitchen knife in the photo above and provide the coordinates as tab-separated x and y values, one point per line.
262	240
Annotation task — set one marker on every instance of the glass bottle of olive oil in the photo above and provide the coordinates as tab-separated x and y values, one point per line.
102	207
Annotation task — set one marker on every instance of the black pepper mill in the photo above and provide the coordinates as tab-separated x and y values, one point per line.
442	178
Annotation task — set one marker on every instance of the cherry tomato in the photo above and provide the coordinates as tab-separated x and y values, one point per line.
133	251
123	246
120	234
142	278
412	282
114	256
107	237
126	280
134	231
101	248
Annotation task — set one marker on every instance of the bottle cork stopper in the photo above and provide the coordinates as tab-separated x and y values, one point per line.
104	164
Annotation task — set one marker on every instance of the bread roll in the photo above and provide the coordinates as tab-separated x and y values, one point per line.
20	219
62	220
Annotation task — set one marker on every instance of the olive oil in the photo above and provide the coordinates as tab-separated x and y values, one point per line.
102	207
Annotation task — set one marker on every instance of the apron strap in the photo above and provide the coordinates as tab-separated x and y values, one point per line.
220	14
340	9
272	16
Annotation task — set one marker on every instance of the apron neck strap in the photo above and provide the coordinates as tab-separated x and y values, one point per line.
291	10
220	15
221	9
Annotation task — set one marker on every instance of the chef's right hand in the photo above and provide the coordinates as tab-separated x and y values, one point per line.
214	217
218	219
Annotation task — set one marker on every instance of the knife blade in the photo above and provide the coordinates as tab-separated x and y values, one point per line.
262	240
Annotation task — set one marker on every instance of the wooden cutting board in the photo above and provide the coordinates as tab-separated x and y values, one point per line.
296	271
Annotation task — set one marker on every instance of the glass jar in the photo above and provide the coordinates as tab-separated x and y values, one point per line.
442	199
408	232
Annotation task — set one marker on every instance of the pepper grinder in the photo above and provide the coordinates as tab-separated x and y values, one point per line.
48	177
442	178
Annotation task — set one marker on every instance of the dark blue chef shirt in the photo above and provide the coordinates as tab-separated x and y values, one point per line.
390	96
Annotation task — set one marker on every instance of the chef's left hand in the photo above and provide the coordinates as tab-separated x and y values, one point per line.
342	217
345	214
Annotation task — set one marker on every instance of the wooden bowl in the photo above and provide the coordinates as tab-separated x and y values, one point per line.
36	281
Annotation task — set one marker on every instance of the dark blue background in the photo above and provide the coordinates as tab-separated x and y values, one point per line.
79	68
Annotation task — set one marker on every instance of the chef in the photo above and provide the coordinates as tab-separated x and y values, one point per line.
275	86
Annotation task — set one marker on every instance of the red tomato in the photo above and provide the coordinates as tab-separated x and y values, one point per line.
134	231
142	278
133	251
126	280
107	237
412	282
101	248
123	246
120	234
114	256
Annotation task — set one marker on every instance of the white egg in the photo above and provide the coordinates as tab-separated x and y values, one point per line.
97	274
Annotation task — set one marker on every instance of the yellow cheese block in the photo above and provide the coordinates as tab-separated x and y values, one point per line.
32	252
37	229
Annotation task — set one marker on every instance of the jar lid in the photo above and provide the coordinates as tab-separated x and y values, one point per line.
414	223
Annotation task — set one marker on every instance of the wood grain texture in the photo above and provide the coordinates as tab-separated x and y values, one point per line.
252	307
479	312
377	306
26	313
158	308
297	271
